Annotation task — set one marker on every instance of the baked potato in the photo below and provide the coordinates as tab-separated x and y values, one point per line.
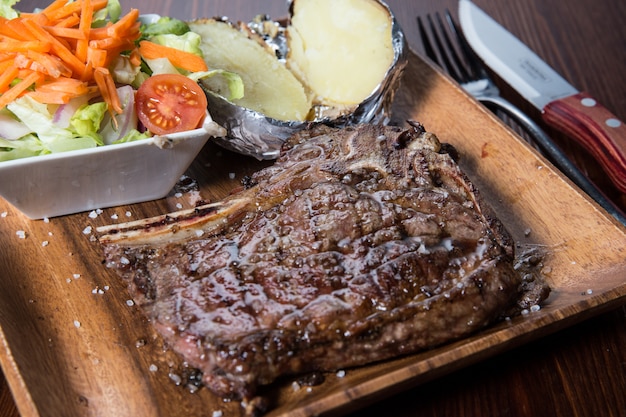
333	61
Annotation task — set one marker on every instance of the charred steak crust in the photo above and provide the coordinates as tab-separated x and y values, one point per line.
357	245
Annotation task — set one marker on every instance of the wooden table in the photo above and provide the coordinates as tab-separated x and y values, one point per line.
579	371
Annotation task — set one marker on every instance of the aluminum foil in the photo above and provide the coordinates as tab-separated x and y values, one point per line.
254	134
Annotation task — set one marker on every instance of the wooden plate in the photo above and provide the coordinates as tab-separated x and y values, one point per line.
72	344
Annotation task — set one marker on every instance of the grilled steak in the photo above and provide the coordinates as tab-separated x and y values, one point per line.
357	245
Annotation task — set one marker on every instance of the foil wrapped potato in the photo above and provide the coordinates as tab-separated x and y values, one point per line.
336	62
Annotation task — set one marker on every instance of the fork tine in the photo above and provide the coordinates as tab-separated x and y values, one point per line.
428	47
476	68
463	75
446	64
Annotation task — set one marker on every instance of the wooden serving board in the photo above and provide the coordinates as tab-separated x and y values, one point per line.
71	343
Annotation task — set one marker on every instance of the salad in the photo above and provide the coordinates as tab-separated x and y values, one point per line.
78	74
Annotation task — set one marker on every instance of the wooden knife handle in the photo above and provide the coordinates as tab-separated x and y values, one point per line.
599	131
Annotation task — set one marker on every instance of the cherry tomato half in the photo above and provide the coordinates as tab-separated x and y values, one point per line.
169	103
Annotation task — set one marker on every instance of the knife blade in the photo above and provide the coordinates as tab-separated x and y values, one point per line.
570	111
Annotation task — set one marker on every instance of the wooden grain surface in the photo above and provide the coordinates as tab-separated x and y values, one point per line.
579	370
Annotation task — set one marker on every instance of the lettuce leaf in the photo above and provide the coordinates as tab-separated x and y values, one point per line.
7	10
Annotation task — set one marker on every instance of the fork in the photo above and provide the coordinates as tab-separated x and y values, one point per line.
469	72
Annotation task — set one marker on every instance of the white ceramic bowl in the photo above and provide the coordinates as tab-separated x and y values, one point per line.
106	176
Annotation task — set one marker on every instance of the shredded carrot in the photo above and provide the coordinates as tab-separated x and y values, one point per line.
55	55
55	5
107	88
15	91
178	58
65	32
84	25
48	64
6	29
6	78
11	45
68	22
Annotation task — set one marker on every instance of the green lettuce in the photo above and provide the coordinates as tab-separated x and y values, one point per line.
86	121
164	25
7	10
188	42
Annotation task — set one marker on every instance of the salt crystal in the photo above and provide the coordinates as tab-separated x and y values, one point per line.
176	378
76	324
76	276
46	220
130	303
87	230
535	307
178	195
179	206
589	291
128	214
93	214
114	216
153	368
341	374
231	175
4	214
44	243
217	413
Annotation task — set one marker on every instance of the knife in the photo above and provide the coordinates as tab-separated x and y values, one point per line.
575	113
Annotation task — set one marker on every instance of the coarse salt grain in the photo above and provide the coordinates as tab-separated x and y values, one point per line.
153	368
589	291
535	307
217	414
179	206
175	378
130	303
76	324
45	243
341	374
4	214
178	195
76	276
128	214
46	220
93	214
231	175
114	216
87	230
21	234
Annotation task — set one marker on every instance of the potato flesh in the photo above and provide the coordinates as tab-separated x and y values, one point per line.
269	87
340	49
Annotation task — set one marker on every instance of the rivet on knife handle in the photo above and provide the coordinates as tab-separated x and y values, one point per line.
594	127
